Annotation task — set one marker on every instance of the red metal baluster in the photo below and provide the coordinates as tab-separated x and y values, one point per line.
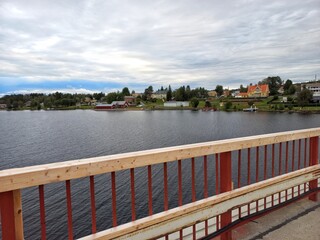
293	157
239	168
293	154
165	189
194	237
257	173
249	160
299	155
249	179
265	171
205	176
305	160
217	222
305	152
287	156
272	163
180	182
150	189
239	176
257	164
299	162
265	162
165	186
93	205
225	186
280	158
272	168
133	195
280	166
217	186
314	153
114	199
7	215
205	179
217	174
193	180
42	212
193	188
69	207
180	191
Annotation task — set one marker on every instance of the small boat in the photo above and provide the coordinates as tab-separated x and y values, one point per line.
251	109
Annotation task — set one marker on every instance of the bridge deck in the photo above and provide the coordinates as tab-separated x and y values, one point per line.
299	220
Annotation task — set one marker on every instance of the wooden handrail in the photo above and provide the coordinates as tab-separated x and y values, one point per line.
19	178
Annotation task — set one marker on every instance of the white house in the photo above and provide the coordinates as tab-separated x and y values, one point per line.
176	104
315	89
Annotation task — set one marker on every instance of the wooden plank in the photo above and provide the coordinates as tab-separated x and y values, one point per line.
184	216
18	178
18	219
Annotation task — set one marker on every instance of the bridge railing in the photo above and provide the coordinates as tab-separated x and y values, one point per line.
230	181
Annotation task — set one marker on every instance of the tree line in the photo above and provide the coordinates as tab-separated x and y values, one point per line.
183	93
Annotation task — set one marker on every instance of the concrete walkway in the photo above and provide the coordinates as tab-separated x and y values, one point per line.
299	220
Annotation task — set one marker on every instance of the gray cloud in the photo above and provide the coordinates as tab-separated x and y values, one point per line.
160	42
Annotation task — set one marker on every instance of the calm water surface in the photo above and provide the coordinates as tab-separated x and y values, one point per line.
39	137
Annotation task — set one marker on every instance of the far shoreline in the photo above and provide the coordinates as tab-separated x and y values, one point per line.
300	111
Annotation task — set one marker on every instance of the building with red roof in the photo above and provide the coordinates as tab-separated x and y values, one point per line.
258	90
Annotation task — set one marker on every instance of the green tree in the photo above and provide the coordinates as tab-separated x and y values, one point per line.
180	94
147	93
194	102
219	90
199	93
15	105
243	89
286	86
207	104
169	94
125	91
227	105
188	94
47	103
111	97
304	97
98	96
292	90
274	84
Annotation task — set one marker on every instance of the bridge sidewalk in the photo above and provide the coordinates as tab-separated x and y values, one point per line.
299	220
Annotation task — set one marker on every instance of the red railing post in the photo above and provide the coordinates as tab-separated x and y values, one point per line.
314	153
225	186
42	212
11	215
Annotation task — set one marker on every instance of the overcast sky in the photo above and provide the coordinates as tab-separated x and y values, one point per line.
90	46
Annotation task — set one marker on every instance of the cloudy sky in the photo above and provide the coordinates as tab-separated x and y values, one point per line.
90	46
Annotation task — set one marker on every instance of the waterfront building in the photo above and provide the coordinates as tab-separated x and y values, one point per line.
315	89
258	90
176	104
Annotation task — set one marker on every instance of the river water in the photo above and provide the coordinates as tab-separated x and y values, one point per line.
39	137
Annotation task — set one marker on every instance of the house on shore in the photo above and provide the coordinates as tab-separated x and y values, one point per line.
212	94
113	105
257	91
315	89
176	104
131	100
160	94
